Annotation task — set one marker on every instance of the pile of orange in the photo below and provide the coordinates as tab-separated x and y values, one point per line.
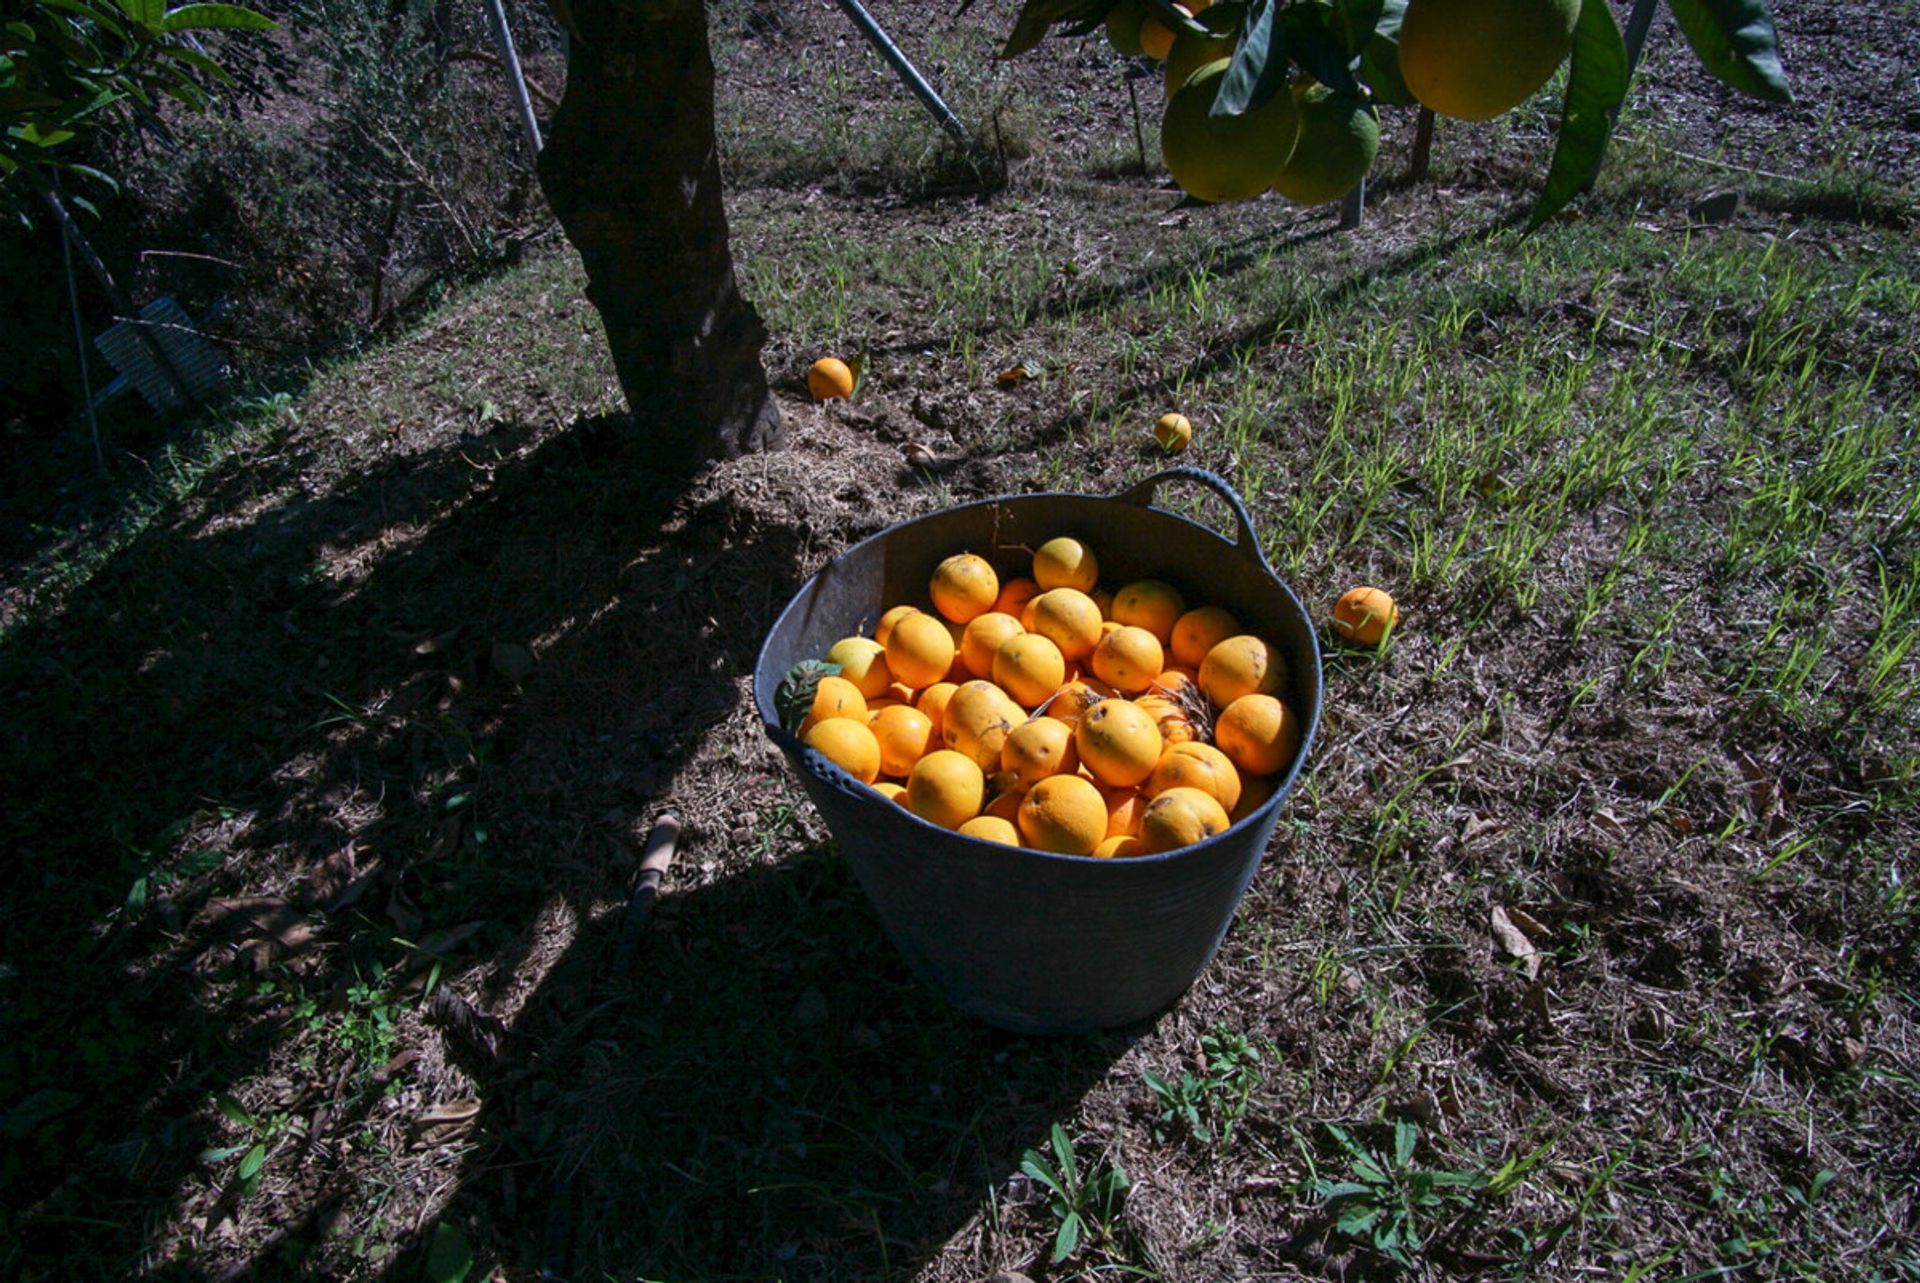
1046	711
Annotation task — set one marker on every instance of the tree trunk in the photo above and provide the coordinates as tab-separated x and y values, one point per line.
631	169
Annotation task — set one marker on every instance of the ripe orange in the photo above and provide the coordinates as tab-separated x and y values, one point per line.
892	616
1063	814
1175	726
830	378
905	734
985	634
1014	596
1124	809
1195	765
1199	631
1156	38
1180	817
1118	742
1128	659
979	717
1241	665
1037	748
945	788
892	790
1065	562
1075	696
1006	795
920	649
1365	615
964	586
1029	668
1069	618
1173	679
849	745
863	661
991	828
1173	432
1254	792
933	702
1122	847
838	697
1152	604
1259	734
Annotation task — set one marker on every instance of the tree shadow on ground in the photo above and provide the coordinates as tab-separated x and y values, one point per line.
280	773
765	1092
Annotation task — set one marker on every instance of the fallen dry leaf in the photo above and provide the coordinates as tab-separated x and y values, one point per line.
1609	823
327	879
247	915
1537	931
1482	825
1514	941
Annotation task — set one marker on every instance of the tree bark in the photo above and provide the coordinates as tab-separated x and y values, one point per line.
632	171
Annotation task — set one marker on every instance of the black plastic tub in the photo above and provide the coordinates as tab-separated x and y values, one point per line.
1024	940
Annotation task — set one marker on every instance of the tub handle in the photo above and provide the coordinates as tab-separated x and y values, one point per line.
1247	543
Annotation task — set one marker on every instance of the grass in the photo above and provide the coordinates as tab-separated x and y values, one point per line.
1649	502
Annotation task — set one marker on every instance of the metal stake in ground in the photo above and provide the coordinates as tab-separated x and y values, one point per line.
516	80
911	76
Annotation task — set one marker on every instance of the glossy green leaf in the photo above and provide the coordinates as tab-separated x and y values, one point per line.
251	1165
35	136
225	17
1596	86
1380	59
1318	49
1259	67
1037	15
222	1153
233	1110
449	1255
1736	41
1063	1151
1356	21
1068	1238
199	62
1036	1169
147	13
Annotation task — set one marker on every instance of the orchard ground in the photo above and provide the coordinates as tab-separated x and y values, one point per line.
1596	894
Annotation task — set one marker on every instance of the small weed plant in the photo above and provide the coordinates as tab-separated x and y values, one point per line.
1208	1105
1387	1202
1082	1203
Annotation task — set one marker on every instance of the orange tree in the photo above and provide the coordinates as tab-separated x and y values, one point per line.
632	170
1469	59
72	69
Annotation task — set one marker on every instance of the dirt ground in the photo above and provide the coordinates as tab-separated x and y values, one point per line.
375	718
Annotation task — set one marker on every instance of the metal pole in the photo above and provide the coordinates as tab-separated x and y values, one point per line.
497	12
80	353
914	80
121	304
1353	205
